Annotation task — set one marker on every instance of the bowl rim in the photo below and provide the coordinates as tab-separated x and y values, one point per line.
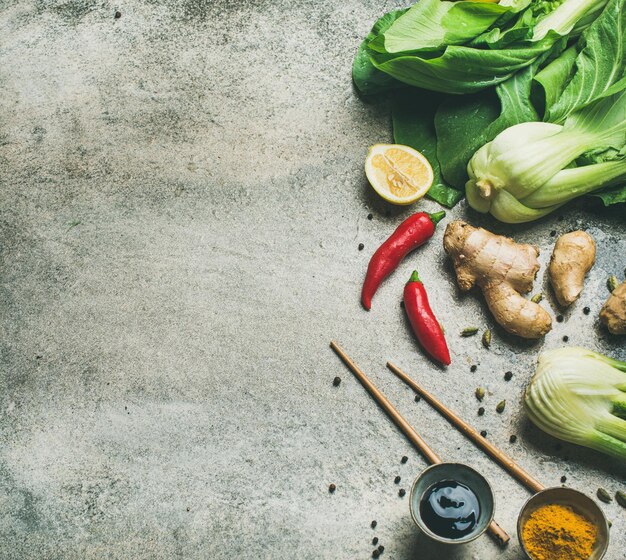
565	489
422	526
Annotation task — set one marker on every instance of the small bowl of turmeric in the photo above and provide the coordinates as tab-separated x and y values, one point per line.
562	524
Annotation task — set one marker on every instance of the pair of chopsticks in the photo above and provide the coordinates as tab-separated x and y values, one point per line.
499	534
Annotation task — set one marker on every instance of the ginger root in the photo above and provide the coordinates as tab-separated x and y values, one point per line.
503	270
613	312
573	256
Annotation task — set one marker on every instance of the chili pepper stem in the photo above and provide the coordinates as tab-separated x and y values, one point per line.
415	277
437	217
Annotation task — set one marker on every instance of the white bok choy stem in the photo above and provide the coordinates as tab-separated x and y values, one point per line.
580	396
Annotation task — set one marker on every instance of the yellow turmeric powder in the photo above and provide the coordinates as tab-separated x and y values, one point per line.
556	532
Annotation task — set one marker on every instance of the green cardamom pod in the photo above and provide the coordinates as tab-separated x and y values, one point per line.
469	331
604	496
487	338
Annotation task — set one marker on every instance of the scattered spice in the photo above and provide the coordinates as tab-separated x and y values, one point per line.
117	15
559	318
469	331
361	246
332	488
557	532
612	283
586	310
480	393
500	407
404	459
375	541
508	376
487	338
483	433
604	496
375	554
565	338
373	524
537	298
370	216
620	498
563	479
397	480
381	549
473	368
481	411
401	492
336	381
552	233
513	439
418	398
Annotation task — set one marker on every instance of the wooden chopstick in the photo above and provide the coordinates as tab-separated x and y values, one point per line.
495	453
497	532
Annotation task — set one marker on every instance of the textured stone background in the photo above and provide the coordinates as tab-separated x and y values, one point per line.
182	198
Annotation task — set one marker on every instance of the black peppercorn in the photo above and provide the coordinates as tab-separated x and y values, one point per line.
565	338
404	459
559	318
508	376
117	15
513	438
401	492
483	433
361	246
473	368
370	216
332	488
552	233
336	381
375	554
397	480
481	411
563	478
375	541
381	549
373	524
418	398
586	310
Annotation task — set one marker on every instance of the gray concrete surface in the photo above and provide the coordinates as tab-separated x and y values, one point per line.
182	199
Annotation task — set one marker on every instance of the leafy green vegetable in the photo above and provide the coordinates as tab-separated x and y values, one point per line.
463	124
524	173
580	396
600	60
515	61
612	196
464	47
412	112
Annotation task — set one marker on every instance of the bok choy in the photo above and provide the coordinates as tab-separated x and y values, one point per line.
580	396
462	47
530	169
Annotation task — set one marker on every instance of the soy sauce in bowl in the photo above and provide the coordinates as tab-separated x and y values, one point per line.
450	509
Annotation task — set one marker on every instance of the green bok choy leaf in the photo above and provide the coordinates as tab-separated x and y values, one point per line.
580	396
463	47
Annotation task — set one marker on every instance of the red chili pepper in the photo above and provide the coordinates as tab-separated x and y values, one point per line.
425	325
413	232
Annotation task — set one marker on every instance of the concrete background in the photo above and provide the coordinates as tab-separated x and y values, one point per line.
182	201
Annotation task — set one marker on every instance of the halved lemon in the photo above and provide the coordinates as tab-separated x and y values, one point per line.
400	174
